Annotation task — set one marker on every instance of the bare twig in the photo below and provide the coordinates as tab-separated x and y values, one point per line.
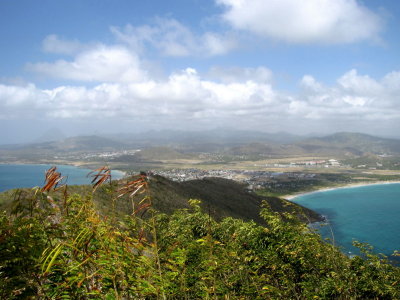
52	180
100	176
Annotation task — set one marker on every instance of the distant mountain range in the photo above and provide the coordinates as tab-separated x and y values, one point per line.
353	143
177	144
216	136
79	143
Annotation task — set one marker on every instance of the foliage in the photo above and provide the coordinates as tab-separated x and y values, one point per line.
391	162
57	246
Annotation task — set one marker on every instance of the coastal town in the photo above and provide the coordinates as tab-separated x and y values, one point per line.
255	180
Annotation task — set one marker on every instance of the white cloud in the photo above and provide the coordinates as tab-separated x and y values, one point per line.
357	97
392	81
354	83
355	101
309	83
306	21
53	44
185	99
172	38
181	95
237	74
101	63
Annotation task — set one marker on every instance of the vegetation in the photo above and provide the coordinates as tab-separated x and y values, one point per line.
219	197
374	162
206	149
56	245
287	186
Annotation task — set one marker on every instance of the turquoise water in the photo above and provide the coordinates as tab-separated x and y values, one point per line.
19	176
369	214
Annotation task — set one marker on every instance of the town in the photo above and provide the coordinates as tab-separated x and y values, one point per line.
255	180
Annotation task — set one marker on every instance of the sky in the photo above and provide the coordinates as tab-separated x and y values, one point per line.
110	66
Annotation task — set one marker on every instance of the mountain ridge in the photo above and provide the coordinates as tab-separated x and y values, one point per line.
338	144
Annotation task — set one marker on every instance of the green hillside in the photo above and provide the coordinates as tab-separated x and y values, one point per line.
64	245
220	198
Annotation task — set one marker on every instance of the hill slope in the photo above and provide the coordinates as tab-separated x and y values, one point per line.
220	198
353	143
172	146
62	248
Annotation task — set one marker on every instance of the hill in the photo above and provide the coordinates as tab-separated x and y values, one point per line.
78	143
36	152
160	153
57	246
251	142
352	143
86	143
338	144
202	138
220	198
266	149
218	146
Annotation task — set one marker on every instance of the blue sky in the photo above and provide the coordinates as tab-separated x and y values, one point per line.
308	66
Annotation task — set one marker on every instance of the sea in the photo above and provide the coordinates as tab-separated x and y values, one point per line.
28	176
368	214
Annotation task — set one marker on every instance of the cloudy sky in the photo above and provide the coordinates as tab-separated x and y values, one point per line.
101	66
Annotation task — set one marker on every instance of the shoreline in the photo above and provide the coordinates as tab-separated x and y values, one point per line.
345	186
120	174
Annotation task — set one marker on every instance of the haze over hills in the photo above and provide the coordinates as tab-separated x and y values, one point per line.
216	136
182	145
50	135
79	143
165	137
343	143
354	143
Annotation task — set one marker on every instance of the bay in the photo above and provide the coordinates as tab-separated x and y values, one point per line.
368	214
26	175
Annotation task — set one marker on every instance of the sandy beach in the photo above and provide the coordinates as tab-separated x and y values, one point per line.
345	186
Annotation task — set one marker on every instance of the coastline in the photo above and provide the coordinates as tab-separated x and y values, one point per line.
118	173
121	173
292	197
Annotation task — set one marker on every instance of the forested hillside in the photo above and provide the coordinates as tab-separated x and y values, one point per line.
57	244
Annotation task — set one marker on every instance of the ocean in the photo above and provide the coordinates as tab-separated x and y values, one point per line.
20	176
368	214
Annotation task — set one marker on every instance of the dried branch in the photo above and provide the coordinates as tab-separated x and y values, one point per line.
100	176
136	187
52	180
